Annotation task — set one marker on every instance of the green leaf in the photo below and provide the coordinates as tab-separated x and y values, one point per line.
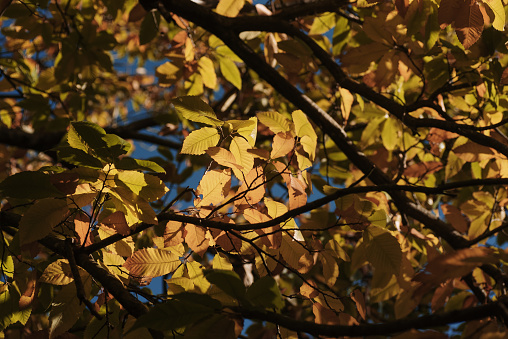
390	134
65	311
230	71
323	23
29	185
147	186
39	220
116	145
77	157
215	326
228	281
382	249
200	140
149	27
265	293
178	313
128	163
195	109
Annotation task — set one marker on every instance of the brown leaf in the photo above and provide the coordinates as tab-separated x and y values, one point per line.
82	226
195	237
173	233
117	222
271	236
447	12
469	23
422	169
252	187
359	300
441	295
455	217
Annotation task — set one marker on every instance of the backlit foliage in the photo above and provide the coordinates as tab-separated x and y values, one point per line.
281	169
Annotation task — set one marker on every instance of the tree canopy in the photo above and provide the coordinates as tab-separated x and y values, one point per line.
230	169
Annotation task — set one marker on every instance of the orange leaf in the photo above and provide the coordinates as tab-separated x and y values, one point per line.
195	237
283	143
359	300
253	187
271	236
117	222
173	234
81	226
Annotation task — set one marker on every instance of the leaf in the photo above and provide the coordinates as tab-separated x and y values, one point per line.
196	238
276	122
228	281
66	308
173	233
254	187
152	262
195	109
230	71
382	250
346	102
29	185
390	134
149	27
238	148
221	262
469	23
127	163
229	8
168	73
214	186
147	186
117	222
40	219
455	264
200	140
499	14
323	24
175	314
306	132
271	236
265	293
248	129
283	144
330	267
223	157
295	254
57	273
359	300
207	70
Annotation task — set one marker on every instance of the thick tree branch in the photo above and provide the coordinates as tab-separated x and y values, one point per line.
434	320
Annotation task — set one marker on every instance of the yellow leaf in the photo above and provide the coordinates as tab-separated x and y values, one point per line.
200	140
195	271
390	134
133	206
499	14
151	262
305	131
57	273
169	73
276	122
230	8
207	71
189	50
221	262
323	23
114	263
246	128
283	143
330	267
124	247
40	219
230	71
214	186
346	102
239	147
195	109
